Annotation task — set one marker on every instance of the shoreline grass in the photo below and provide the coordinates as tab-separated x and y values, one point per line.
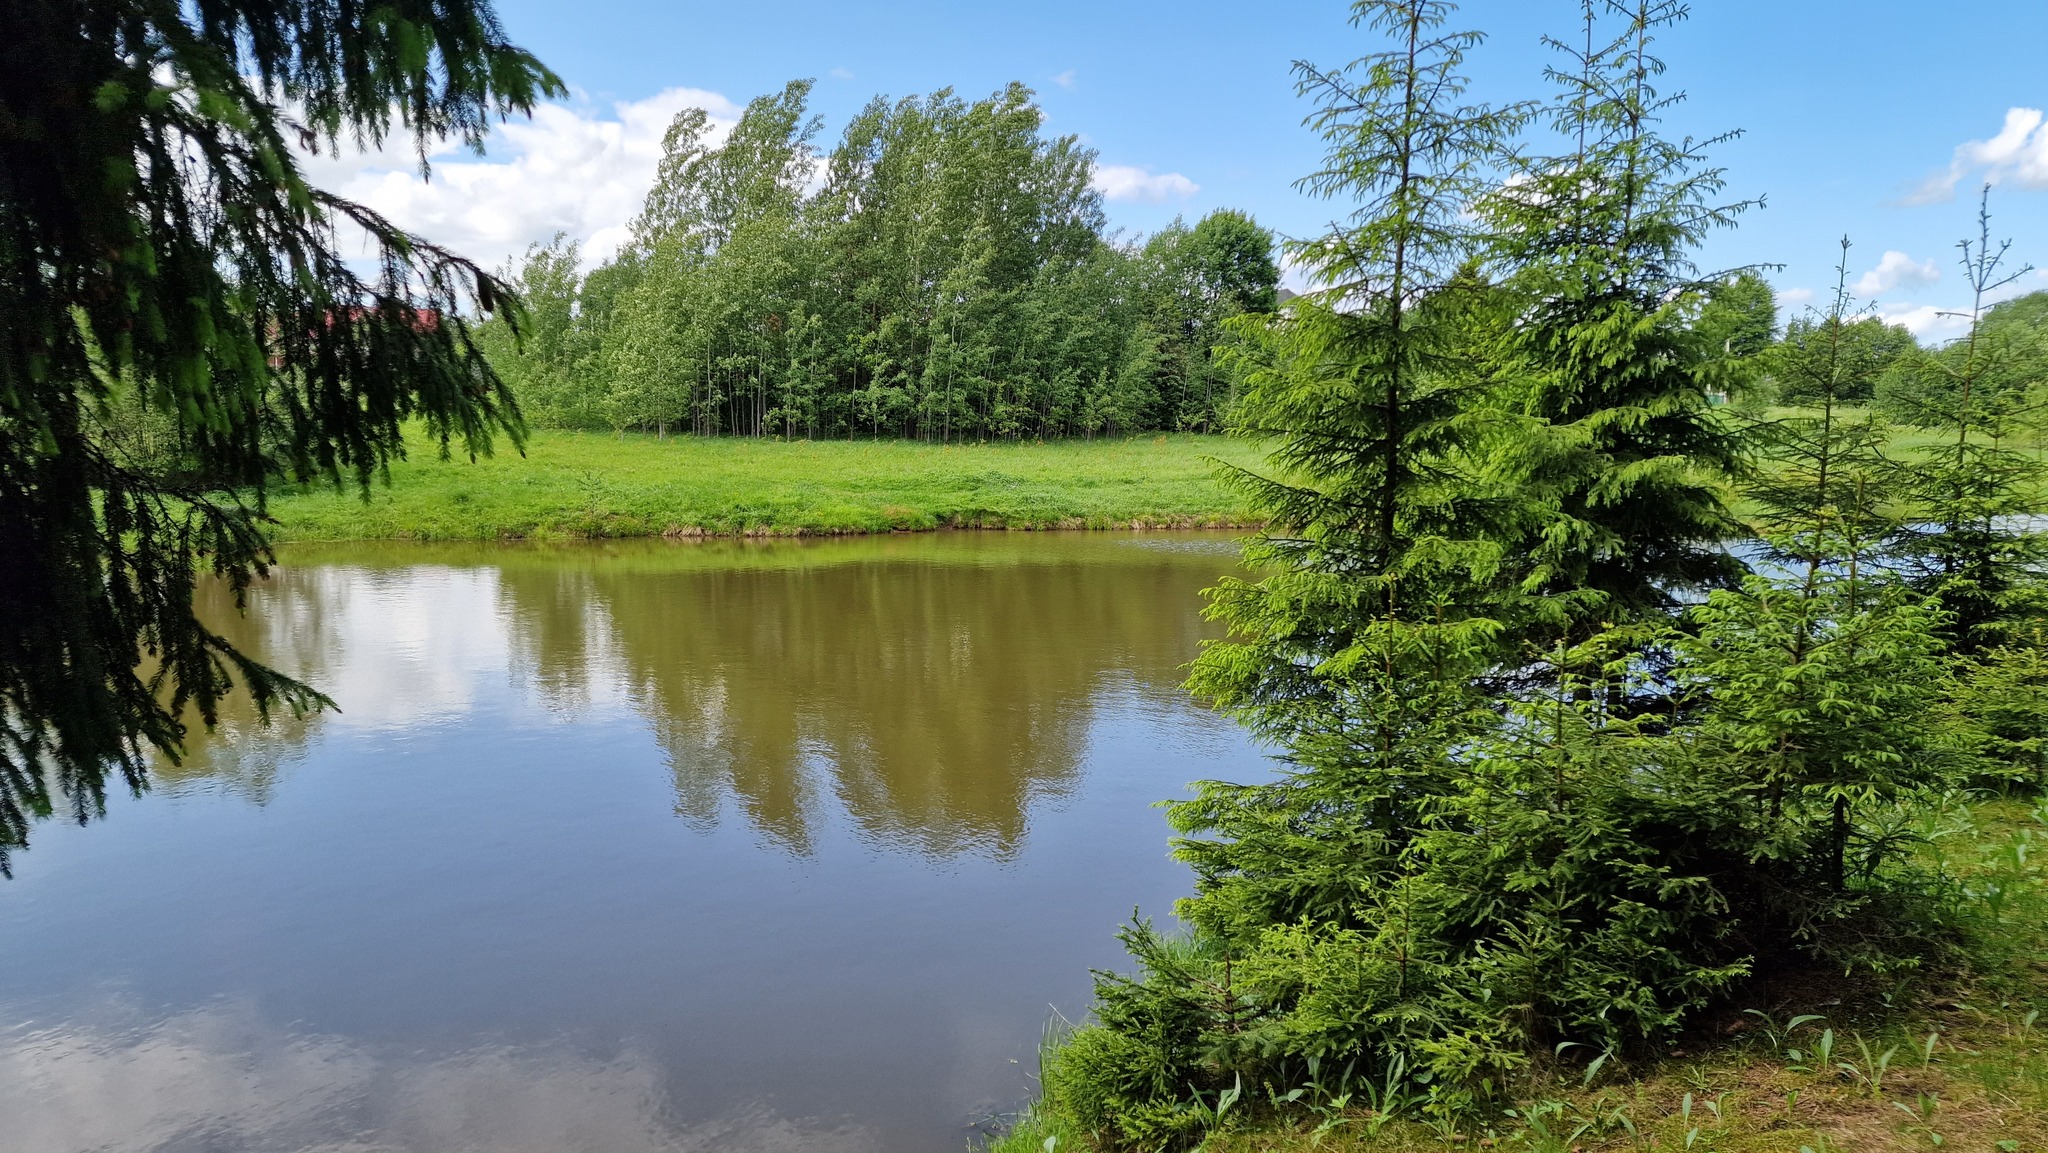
572	485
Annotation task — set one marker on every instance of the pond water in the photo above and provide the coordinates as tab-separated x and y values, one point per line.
653	847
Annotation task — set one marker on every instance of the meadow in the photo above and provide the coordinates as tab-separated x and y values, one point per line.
571	485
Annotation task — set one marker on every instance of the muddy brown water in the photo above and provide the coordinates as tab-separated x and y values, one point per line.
753	847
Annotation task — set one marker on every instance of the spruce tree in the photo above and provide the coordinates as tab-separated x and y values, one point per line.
1819	673
1830	491
161	249
1358	649
1618	441
1999	699
1974	545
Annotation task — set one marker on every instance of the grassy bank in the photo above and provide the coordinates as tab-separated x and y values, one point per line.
572	485
594	485
1923	1060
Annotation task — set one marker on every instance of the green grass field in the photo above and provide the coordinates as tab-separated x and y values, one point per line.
584	485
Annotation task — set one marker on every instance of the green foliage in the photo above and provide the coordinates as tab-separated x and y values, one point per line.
1829	498
166	269
1558	774
948	278
1862	350
1619	444
552	350
1975	547
2011	353
2000	701
1582	874
1740	316
1964	1066
1821	679
1821	709
1356	650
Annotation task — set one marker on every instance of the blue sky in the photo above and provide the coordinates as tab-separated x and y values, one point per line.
1848	111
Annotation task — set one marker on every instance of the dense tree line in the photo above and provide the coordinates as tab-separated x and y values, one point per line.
942	272
2004	356
1563	769
1883	366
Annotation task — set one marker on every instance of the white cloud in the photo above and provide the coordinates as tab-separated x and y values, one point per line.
567	169
1897	270
1064	79
1296	276
1929	323
1126	182
1792	301
2018	153
841	74
1934	323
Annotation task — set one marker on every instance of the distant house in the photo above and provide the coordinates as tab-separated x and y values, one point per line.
423	319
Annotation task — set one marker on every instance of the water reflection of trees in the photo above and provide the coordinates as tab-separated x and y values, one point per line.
932	697
290	627
934	702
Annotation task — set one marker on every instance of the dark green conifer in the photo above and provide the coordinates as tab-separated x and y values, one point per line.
1819	673
1620	446
1358	648
161	251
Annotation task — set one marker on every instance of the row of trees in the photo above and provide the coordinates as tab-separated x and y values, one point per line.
943	272
1561	770
1884	367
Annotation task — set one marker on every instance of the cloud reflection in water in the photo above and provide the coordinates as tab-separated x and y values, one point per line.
624	848
221	1079
921	690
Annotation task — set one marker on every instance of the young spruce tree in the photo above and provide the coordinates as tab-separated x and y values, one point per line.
1819	672
1357	650
1619	445
1975	546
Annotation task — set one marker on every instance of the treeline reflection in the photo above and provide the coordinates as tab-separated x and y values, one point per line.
928	691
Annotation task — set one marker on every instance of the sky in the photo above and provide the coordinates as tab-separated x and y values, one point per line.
1877	119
